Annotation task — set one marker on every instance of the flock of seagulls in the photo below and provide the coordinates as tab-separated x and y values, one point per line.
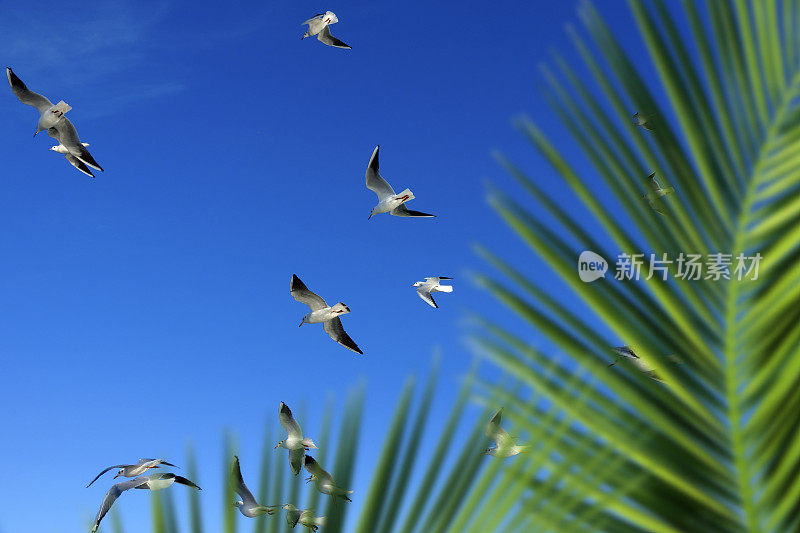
52	118
298	445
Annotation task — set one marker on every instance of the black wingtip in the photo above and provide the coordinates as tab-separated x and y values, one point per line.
308	460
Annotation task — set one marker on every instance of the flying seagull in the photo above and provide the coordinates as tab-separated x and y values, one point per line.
657	192
425	288
295	442
51	117
248	505
641	120
319	25
308	520
504	445
292	514
74	161
324	481
153	482
133	470
388	201
320	312
628	354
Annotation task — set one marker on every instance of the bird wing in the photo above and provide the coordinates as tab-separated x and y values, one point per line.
296	459
336	331
325	36
402	211
80	165
653	182
288	422
375	181
25	95
104	471
315	470
68	136
113	493
309	21
494	431
237	483
183	481
302	294
424	292
292	517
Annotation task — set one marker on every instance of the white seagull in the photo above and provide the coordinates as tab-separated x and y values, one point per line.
320	312
308	520
248	505
74	161
642	121
153	482
628	354
504	445
388	201
292	514
425	288
133	470
324	481
656	192
295	442
319	25
51	117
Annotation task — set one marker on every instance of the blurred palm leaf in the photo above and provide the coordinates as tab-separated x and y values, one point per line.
717	447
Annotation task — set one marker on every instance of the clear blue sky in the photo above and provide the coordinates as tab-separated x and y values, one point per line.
149	308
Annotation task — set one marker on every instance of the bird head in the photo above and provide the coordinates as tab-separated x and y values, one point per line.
120	472
238	503
417	284
289	507
488	451
278	445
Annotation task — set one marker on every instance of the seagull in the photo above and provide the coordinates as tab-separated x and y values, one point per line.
503	442
657	192
425	288
154	482
248	505
307	520
52	118
388	201
628	353
295	442
641	120
319	25
133	470
320	312
292	514
324	481
74	161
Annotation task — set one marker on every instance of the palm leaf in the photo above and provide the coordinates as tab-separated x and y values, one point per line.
715	448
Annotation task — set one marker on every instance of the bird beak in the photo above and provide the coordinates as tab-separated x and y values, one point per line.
35	134
370	216
276	447
115	477
612	364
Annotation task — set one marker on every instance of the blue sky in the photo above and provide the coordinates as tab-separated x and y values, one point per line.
149	308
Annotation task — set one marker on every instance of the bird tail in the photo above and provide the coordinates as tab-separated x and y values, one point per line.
310	443
320	521
62	107
444	288
523	449
340	308
408	193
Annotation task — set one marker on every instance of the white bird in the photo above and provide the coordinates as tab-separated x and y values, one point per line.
504	445
656	192
153	482
388	201
248	505
295	442
321	312
308	520
319	25
425	288
133	470
292	514
629	355
642	121
74	161
51	117
323	481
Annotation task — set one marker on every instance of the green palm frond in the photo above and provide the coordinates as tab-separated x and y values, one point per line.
716	448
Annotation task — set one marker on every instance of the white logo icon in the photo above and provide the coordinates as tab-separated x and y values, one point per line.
591	266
